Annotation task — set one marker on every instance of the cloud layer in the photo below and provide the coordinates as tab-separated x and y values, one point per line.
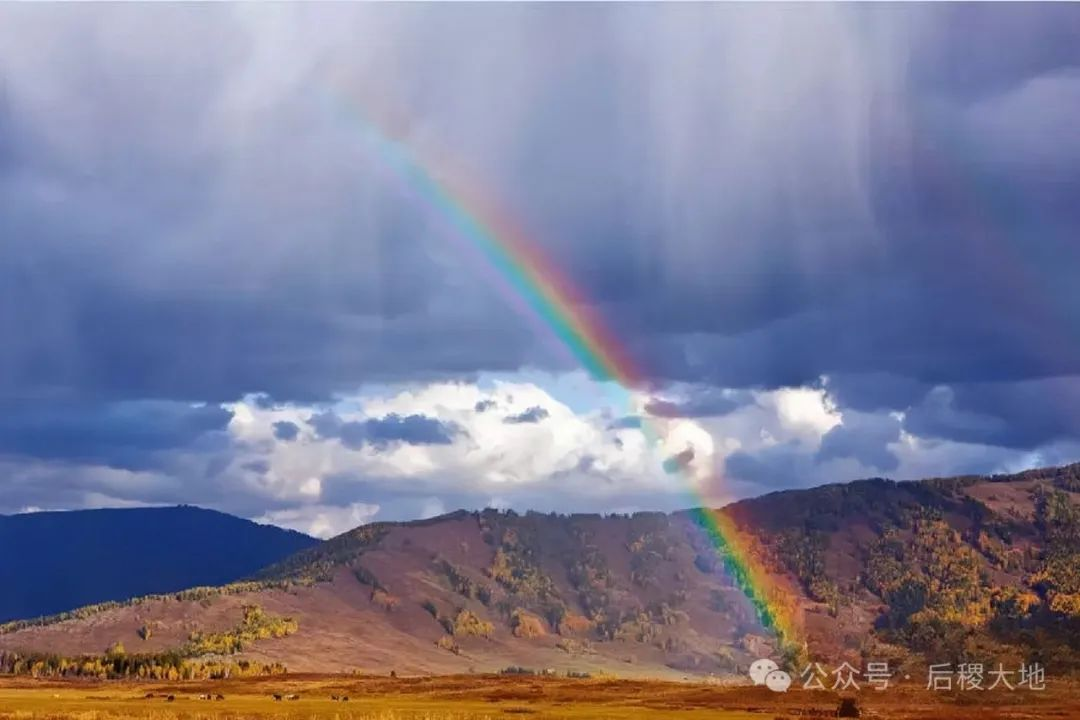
838	240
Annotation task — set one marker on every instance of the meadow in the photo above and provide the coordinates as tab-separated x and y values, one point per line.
491	697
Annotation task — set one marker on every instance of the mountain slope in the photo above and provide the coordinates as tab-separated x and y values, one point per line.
978	568
56	561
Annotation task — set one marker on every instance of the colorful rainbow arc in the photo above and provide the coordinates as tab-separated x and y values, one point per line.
537	285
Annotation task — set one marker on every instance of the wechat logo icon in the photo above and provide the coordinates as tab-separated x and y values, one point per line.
768	673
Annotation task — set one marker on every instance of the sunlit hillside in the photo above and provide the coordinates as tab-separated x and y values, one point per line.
960	568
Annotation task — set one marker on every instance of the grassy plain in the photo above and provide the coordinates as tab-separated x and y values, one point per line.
491	697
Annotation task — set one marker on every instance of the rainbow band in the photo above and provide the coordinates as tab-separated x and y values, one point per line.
533	279
549	296
769	600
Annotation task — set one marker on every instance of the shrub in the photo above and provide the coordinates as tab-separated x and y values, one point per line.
200	594
256	625
574	624
930	577
706	562
119	665
515	568
1067	604
638	627
570	646
526	625
459	582
1059	520
517	670
466	623
447	643
384	600
366	577
554	613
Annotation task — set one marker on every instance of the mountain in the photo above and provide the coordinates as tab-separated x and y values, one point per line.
973	568
56	561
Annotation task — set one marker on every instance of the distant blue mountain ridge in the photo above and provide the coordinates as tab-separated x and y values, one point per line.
51	562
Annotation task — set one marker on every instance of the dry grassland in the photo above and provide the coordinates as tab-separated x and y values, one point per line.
491	697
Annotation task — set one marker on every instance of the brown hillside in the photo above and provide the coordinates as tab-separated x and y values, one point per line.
961	566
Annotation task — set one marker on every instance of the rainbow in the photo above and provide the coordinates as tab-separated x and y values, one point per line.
547	297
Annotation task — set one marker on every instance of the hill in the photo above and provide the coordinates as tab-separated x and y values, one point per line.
985	569
56	561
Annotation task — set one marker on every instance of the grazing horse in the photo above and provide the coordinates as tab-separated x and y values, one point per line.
276	696
219	697
170	698
344	698
294	696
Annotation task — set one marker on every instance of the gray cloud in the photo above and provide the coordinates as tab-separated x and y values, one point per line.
385	431
781	465
1022	415
285	430
860	176
531	415
865	438
703	403
259	467
750	196
134	434
679	461
871	392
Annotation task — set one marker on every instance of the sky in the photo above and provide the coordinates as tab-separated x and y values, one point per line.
837	241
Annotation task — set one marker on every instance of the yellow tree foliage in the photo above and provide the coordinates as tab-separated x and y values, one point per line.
524	624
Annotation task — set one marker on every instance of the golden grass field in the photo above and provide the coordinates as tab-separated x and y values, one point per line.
490	697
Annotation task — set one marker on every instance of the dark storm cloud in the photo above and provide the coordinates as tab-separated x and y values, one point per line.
411	429
752	196
263	401
285	430
484	405
130	435
383	432
871	392
326	424
781	465
259	467
1022	415
989	62
864	438
532	415
897	206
